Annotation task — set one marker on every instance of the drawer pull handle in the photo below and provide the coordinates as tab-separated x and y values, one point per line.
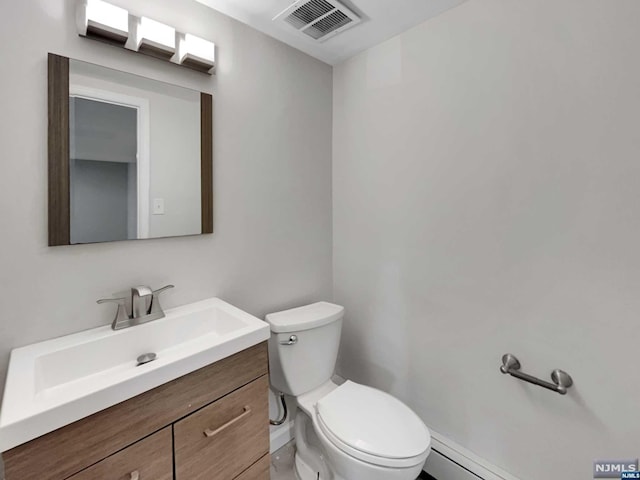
134	475
210	433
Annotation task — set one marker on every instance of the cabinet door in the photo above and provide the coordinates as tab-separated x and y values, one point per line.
222	440
149	459
258	471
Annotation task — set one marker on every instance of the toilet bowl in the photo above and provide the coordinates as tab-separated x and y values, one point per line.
343	432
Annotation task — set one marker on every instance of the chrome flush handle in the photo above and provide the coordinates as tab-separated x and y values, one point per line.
293	339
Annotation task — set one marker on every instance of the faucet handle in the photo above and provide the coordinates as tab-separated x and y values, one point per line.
122	319
156	309
120	300
160	290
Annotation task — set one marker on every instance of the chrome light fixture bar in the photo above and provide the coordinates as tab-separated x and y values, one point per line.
103	21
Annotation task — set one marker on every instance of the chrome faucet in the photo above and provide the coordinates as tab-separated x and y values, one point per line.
145	307
140	300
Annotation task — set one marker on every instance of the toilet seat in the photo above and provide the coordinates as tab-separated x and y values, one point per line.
372	426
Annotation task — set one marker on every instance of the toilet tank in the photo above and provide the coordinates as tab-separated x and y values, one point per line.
303	346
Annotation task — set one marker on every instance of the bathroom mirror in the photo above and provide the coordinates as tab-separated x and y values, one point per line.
129	157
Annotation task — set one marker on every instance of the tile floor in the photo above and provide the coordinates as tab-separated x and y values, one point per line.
282	463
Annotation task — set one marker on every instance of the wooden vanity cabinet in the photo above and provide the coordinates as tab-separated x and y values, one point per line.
211	424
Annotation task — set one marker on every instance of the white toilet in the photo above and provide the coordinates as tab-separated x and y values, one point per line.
343	432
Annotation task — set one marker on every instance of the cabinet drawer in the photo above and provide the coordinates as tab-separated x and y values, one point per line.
223	439
149	459
258	471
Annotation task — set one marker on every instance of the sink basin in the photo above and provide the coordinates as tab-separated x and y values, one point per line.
57	382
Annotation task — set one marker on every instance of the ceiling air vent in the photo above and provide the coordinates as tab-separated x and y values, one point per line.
318	19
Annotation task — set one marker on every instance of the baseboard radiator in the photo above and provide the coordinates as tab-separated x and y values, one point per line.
441	467
450	461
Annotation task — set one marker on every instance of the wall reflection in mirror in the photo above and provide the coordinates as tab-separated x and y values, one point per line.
135	157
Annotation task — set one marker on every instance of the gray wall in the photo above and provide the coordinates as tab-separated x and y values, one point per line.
486	185
99	200
101	131
272	178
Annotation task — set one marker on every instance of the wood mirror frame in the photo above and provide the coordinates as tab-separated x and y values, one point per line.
59	149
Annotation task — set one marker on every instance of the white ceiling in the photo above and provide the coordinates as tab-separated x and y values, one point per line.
382	19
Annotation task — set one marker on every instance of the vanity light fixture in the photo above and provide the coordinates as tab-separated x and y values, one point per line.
195	52
96	18
100	20
156	37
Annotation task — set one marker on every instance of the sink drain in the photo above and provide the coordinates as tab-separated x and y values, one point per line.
146	358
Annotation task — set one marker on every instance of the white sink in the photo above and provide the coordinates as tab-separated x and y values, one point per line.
54	383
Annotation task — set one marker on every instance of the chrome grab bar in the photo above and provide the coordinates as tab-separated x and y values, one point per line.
561	380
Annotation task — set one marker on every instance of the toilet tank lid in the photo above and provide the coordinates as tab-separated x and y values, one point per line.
305	318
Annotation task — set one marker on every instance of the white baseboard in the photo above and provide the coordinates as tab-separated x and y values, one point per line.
450	461
440	467
280	436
